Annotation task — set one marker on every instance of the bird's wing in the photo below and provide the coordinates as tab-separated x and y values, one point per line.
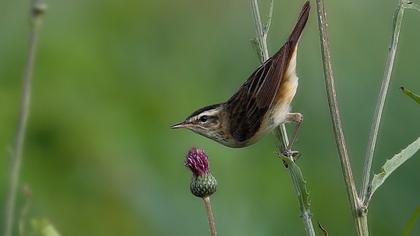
250	103
248	106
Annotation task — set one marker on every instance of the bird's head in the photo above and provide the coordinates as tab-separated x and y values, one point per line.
207	121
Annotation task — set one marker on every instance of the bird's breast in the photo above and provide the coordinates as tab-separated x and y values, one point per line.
281	106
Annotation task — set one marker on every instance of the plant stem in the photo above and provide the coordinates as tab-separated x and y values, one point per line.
303	196
37	10
359	222
398	17
263	52
27	192
294	170
210	217
261	35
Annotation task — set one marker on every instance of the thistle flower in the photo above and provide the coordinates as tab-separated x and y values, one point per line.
203	184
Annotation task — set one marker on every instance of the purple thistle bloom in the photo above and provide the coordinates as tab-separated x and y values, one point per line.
197	161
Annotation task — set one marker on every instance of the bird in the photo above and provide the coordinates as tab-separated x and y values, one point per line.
260	105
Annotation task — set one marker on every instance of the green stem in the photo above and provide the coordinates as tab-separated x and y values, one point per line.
263	51
299	184
37	10
398	17
294	171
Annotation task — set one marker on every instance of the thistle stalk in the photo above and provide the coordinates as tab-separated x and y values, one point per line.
203	183
210	217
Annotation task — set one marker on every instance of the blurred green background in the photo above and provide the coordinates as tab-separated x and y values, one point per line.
112	76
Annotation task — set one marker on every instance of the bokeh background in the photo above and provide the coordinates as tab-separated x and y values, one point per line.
112	76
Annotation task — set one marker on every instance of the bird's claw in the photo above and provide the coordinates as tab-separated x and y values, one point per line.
290	153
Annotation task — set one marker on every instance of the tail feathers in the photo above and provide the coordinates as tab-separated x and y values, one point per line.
300	25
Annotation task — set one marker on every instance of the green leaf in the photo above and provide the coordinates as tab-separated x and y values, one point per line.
392	164
299	183
43	227
412	95
303	196
410	223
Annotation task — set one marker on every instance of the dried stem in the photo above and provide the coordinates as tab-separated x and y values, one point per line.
295	172
210	217
322	228
37	10
398	17
359	221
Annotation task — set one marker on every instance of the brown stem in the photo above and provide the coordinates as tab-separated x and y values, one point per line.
210	217
359	222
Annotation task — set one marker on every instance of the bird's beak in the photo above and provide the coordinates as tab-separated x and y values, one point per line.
183	124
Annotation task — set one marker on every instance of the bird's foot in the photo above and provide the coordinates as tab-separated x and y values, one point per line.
290	153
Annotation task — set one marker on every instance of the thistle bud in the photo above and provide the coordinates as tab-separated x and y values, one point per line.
203	183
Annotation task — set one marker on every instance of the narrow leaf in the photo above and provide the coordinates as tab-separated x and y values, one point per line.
412	95
392	164
410	223
300	184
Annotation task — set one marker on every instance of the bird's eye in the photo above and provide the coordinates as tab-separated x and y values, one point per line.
204	118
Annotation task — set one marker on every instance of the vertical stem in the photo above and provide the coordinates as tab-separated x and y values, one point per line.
360	224
23	217
398	17
294	171
261	35
303	196
307	220
210	217
263	52
37	10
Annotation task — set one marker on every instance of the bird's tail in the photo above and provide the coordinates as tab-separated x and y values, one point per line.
300	25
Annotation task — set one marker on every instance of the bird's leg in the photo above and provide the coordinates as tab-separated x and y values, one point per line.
297	118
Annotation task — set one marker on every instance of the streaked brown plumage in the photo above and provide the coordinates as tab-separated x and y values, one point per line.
260	104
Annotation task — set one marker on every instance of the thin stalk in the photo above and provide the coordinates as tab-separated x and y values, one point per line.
398	17
37	10
27	192
299	185
359	222
295	172
263	52
210	217
261	34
